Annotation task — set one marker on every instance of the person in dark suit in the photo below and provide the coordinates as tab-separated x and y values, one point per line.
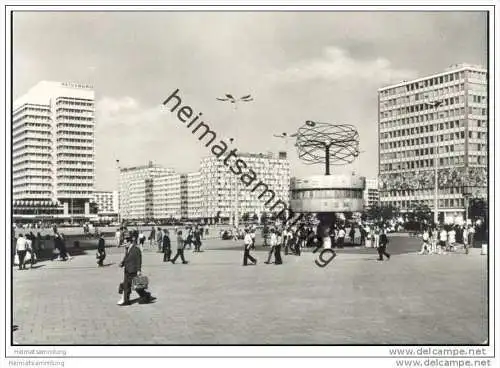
167	250
132	263
382	245
101	250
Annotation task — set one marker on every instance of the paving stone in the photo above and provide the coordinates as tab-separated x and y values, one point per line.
215	300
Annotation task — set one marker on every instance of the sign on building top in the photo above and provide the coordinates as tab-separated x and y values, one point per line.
77	85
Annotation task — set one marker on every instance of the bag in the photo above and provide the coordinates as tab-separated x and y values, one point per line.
16	260
140	282
120	288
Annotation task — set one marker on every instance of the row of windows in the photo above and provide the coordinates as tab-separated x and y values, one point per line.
427	140
32	108
74	177
61	110
74	101
423	107
458	112
75	140
475	147
424	96
82	155
443	203
33	192
62	132
434	81
71	163
75	147
424	192
479	123
327	194
26	125
445	161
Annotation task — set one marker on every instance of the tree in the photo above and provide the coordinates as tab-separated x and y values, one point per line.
382	213
478	208
245	217
421	213
264	217
93	209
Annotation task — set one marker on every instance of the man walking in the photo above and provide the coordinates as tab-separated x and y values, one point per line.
382	245
21	248
101	251
247	240
180	249
132	263
159	239
273	241
167	251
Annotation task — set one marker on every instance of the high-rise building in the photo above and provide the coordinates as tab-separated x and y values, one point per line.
370	194
107	205
223	194
193	197
53	147
107	202
440	119
137	194
167	196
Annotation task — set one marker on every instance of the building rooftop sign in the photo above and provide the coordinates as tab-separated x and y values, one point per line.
77	85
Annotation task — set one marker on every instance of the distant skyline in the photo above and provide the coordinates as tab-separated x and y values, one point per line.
297	66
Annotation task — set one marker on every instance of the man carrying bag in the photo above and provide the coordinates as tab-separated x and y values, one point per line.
131	264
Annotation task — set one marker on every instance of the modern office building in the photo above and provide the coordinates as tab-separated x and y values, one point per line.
53	150
223	194
371	193
438	119
137	193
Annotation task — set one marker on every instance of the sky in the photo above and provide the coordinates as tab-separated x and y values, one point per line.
298	66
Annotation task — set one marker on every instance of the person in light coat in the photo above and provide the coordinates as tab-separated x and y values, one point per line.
247	240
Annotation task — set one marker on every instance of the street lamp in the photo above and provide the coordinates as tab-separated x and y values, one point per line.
235	208
285	136
466	193
436	105
231	99
118	190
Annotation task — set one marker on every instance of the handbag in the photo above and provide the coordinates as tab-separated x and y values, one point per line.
140	282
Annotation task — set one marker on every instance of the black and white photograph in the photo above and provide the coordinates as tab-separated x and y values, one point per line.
250	181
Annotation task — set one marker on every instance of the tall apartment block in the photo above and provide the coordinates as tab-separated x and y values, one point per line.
222	192
371	193
138	194
167	196
190	196
440	119
107	205
53	149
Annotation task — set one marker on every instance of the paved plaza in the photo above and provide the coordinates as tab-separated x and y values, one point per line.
410	299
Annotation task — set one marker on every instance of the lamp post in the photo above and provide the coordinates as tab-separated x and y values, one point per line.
466	193
235	101
285	136
436	105
118	187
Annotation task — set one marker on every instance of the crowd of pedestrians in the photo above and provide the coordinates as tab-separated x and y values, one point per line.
447	238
